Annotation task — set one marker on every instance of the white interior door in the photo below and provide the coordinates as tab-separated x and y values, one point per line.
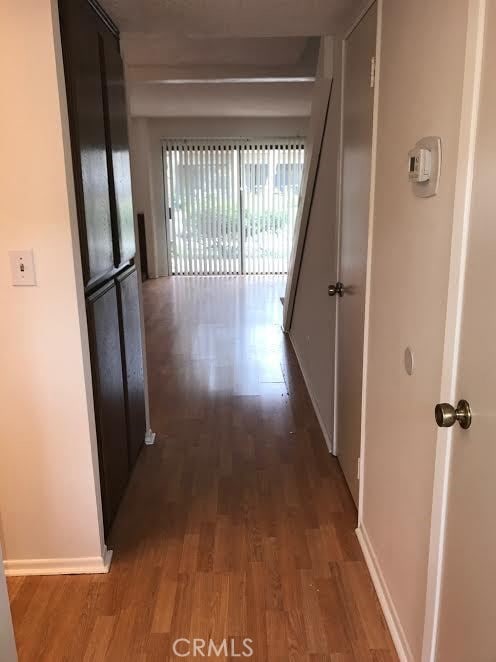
468	598
358	106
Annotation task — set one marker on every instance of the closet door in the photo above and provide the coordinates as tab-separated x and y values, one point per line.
127	286
108	386
118	151
82	62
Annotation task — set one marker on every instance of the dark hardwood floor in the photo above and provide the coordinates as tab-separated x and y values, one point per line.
236	524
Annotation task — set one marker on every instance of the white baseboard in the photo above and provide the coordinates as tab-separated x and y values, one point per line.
150	437
388	608
325	432
89	565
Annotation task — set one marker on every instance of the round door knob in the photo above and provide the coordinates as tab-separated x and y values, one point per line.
338	289
446	415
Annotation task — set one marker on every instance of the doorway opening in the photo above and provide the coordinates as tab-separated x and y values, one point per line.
231	204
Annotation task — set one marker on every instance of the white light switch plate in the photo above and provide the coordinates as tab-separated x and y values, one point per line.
22	268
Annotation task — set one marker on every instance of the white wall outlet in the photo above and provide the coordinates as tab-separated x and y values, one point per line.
22	268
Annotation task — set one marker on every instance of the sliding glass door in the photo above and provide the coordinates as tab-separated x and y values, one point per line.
231	205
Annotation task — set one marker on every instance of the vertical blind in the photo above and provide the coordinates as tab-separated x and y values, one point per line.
231	205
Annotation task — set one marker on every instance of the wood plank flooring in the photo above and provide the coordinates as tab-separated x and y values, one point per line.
236	524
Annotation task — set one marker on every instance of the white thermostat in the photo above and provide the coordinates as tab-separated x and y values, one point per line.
424	166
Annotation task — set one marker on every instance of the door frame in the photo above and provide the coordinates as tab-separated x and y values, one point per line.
459	239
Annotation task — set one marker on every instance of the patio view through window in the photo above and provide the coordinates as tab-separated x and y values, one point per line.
231	205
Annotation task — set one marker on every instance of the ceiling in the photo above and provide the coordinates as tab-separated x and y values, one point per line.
224	58
234	18
142	49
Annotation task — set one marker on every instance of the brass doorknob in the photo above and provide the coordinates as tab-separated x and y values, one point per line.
446	415
338	289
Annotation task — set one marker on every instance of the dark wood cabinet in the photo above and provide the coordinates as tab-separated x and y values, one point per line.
82	63
118	152
98	122
127	288
108	389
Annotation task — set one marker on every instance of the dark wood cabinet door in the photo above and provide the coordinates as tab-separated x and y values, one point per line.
133	361
118	152
82	63
108	386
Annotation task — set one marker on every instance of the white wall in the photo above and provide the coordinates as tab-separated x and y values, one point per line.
408	297
7	643
240	99
146	135
49	489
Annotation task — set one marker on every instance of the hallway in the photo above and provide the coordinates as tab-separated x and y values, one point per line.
236	524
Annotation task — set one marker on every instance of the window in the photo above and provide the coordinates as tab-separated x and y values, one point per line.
232	205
